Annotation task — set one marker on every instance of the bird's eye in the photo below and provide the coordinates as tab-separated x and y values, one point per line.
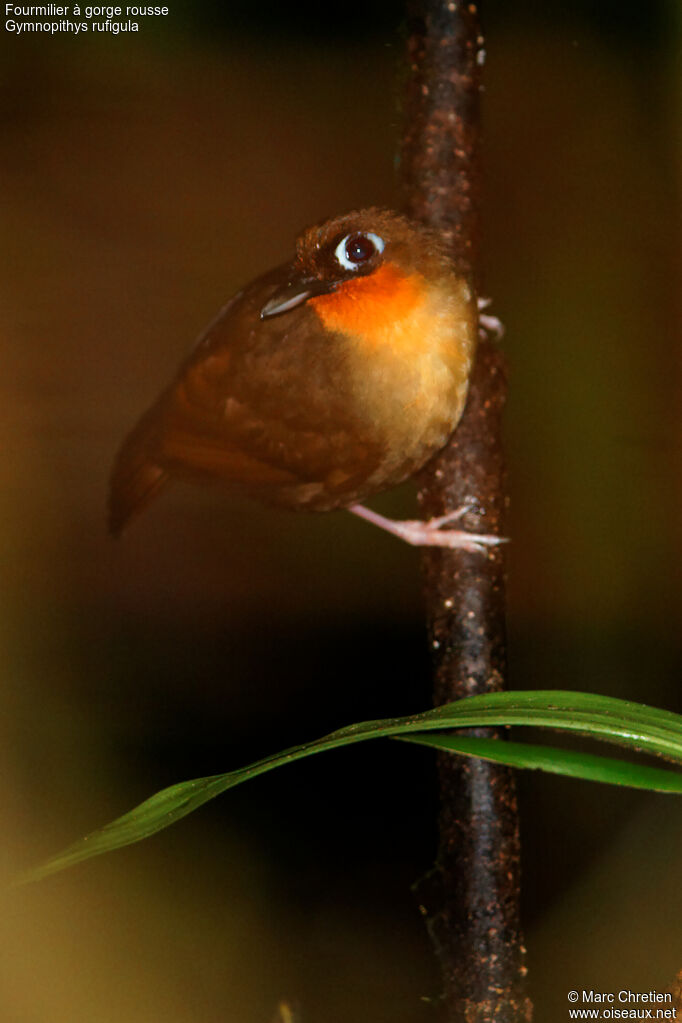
356	249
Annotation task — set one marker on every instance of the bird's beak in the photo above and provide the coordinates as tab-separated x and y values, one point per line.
294	293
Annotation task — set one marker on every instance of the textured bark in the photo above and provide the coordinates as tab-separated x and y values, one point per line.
471	897
440	140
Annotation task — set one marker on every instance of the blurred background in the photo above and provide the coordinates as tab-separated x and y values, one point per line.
143	179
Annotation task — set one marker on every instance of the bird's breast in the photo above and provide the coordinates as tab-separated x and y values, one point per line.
410	347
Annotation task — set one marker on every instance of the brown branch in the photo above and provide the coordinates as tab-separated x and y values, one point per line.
471	898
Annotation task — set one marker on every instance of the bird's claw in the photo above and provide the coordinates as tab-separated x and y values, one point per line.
488	324
432	532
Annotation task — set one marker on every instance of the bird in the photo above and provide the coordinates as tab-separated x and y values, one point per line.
327	380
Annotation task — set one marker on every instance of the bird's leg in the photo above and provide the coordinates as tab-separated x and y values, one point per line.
489	324
431	533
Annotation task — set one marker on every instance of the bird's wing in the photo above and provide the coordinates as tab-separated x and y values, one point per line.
261	404
172	440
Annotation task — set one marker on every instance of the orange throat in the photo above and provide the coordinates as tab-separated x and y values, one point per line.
408	352
367	306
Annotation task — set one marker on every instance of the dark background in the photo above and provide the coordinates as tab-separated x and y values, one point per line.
143	179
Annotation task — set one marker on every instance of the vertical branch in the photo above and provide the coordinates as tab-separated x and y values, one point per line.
440	156
471	898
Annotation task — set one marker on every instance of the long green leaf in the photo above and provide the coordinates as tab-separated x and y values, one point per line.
587	766
632	725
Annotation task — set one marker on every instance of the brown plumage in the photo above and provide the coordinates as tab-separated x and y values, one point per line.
323	382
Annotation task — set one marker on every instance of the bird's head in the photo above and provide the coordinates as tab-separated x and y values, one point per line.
368	264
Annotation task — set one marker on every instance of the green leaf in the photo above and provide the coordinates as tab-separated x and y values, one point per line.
638	727
586	766
633	725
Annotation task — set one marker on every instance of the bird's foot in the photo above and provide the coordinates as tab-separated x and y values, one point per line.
489	324
432	532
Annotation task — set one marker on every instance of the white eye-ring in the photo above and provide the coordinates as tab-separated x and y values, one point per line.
356	249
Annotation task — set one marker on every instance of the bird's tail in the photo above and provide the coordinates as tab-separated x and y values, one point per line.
136	478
